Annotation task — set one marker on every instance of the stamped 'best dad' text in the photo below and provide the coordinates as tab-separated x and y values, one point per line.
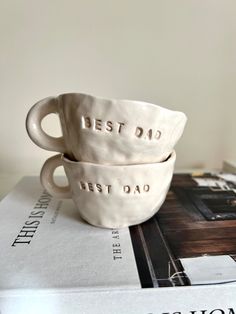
117	127
108	189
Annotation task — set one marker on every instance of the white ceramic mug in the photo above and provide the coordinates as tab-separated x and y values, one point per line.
107	131
111	196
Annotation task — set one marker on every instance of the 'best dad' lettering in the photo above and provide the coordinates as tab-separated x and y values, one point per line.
108	189
117	127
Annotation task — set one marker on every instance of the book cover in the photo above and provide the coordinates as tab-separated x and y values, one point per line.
52	261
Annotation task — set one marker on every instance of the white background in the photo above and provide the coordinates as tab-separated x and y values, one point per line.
180	54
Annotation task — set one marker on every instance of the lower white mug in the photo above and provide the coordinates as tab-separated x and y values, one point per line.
111	196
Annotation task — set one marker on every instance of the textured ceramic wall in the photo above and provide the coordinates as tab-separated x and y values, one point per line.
181	54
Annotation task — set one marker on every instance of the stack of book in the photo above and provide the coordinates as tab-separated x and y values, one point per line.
183	260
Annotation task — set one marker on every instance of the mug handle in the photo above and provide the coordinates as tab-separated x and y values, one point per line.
34	128
47	180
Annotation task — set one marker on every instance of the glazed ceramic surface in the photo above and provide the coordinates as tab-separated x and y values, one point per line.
111	196
107	131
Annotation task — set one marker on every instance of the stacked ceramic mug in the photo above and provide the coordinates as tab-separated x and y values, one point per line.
118	155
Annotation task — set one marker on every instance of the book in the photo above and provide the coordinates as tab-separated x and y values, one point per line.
182	260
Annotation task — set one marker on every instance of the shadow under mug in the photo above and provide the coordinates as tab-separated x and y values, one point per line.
107	131
111	196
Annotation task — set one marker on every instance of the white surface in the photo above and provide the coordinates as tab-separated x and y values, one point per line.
180	54
210	269
63	251
228	177
207	182
185	300
218	183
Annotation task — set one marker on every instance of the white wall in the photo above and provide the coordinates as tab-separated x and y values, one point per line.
180	54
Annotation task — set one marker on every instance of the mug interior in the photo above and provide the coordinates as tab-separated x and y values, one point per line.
82	96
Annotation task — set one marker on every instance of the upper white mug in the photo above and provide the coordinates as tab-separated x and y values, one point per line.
107	131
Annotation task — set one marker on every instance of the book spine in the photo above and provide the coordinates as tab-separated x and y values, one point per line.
186	300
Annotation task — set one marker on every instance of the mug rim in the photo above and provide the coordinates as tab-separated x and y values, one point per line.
121	100
170	159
